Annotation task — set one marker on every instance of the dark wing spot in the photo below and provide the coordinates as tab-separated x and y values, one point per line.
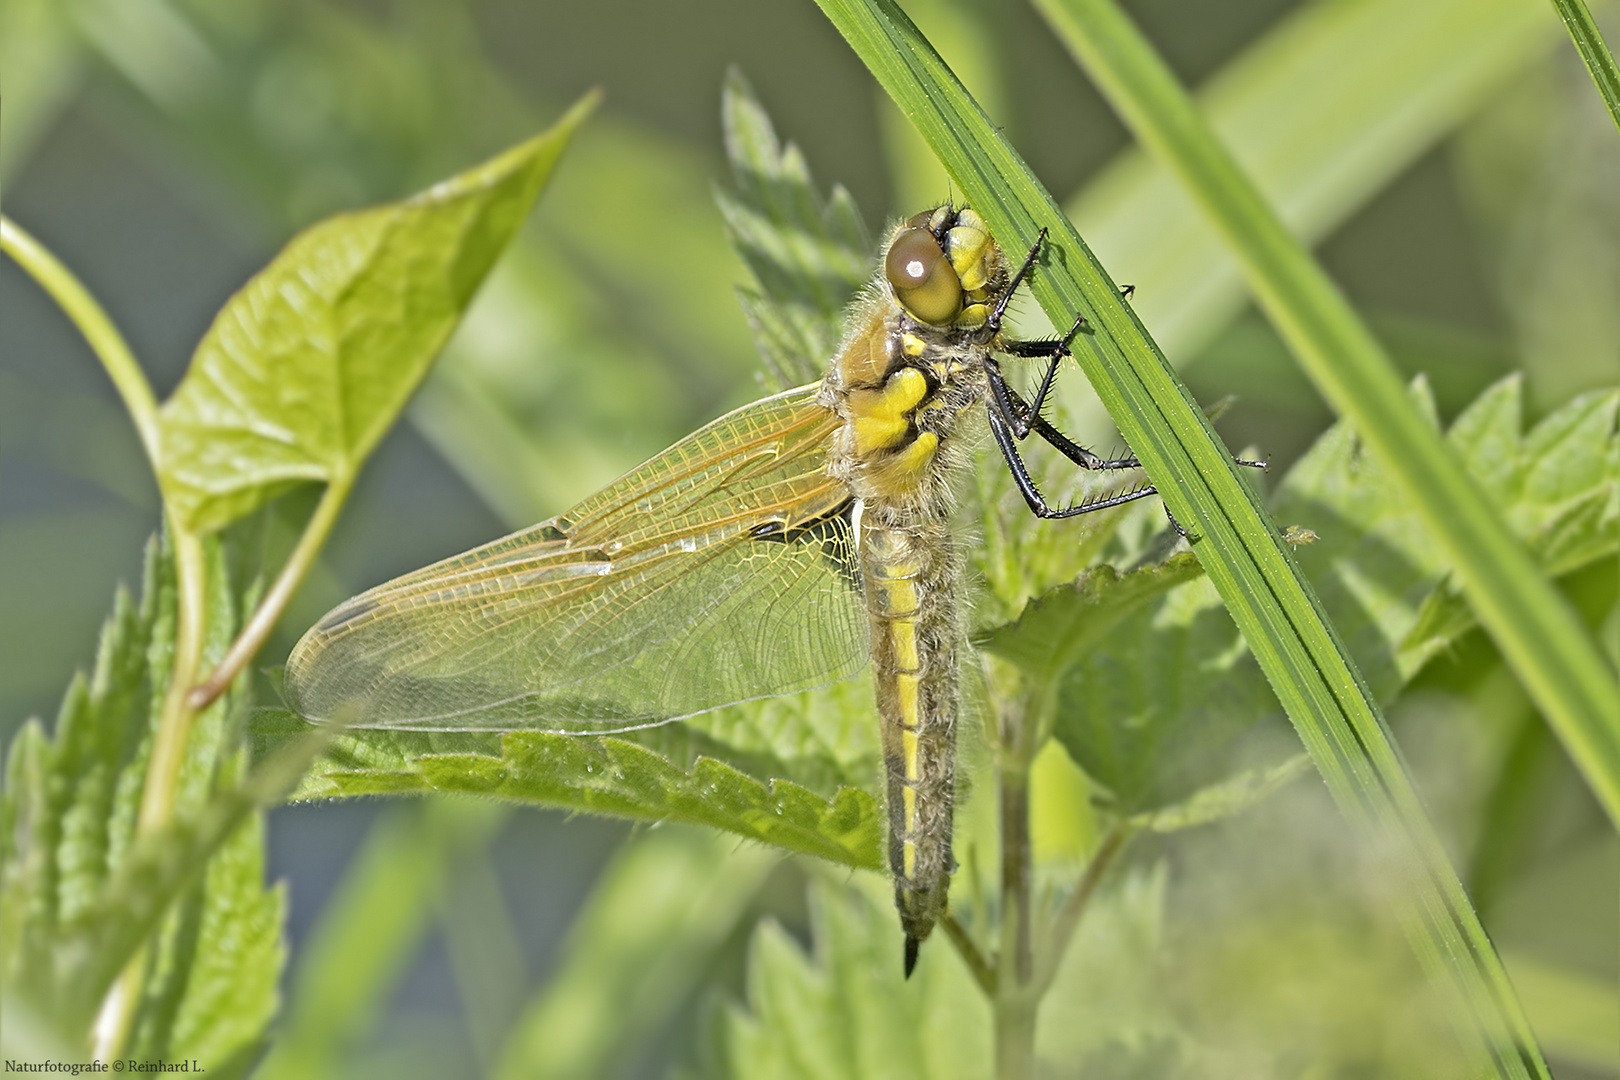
346	614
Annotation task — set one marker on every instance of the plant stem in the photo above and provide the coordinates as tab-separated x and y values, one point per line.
1599	60
174	723
1068	920
270	609
117	1014
92	322
1016	959
1016	999
983	973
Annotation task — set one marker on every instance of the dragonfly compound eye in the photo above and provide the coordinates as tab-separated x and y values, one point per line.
922	277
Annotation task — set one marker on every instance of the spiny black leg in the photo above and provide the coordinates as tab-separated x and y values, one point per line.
1058	353
1026	484
993	323
1045	346
1176	525
1015	410
1125	293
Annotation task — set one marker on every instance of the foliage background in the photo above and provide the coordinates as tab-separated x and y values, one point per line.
165	150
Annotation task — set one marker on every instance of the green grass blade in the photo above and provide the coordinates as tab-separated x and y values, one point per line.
1599	60
1239	546
1536	629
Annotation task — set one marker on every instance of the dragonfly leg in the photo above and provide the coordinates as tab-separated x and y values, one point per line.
1022	419
1002	431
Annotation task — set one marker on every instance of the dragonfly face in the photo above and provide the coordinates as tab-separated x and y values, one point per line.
784	546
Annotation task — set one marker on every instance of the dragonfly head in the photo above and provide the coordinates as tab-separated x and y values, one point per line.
943	266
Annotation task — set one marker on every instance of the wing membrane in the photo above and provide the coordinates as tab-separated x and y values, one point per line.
719	571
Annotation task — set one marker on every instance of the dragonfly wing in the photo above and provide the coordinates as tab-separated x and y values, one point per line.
719	571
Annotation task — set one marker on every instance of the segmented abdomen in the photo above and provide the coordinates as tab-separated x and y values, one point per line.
910	576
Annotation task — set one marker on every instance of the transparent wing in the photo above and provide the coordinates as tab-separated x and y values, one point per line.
719	571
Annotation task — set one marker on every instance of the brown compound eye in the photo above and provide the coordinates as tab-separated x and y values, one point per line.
922	277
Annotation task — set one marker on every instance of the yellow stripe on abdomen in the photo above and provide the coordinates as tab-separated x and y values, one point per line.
910	596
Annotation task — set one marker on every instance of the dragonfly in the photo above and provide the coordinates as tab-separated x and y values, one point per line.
787	545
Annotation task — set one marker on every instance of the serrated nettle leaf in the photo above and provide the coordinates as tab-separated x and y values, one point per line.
808	257
1158	708
822	739
355	751
845	1010
1386	585
309	364
1060	627
86	900
1135	718
619	778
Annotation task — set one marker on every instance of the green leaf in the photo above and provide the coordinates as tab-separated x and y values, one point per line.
306	368
81	895
845	1011
1159	702
640	947
611	776
64	829
808	257
1390	590
1231	796
1063	626
1159	708
822	739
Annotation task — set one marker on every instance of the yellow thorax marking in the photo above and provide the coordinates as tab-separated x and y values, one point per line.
880	415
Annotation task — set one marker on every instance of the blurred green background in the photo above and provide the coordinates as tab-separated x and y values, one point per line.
165	149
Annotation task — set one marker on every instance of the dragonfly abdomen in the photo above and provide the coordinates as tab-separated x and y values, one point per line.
910	574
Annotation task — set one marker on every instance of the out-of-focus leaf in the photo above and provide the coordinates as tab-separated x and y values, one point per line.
1106	1014
306	368
1161	701
368	930
1373	565
43	63
846	1012
639	949
1158	709
1059	628
1231	796
611	776
808	258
